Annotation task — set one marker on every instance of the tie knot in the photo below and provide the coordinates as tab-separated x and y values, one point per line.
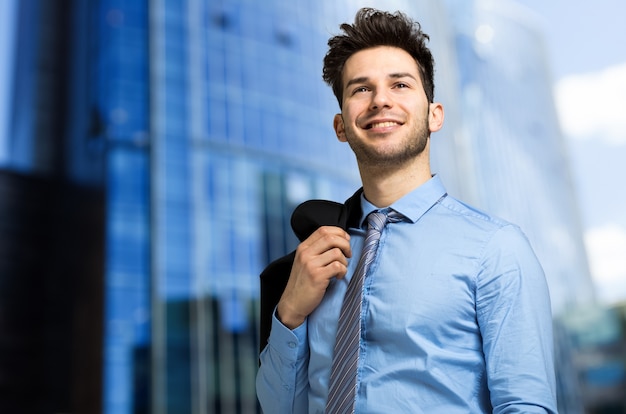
378	218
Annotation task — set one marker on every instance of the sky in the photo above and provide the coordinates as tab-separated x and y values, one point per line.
586	45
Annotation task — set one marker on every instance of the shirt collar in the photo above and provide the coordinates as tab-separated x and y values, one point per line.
414	204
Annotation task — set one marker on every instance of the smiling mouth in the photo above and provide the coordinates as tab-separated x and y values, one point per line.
385	124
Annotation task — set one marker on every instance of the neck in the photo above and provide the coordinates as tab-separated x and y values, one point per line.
383	186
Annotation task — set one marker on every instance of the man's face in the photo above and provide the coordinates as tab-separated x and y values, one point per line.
385	114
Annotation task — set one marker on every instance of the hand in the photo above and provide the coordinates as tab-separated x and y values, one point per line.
319	258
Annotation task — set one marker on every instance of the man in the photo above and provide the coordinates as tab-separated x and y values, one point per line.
452	308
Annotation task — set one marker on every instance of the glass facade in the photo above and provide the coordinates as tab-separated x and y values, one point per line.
123	104
211	123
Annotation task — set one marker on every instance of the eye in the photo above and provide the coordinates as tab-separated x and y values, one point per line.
360	89
401	85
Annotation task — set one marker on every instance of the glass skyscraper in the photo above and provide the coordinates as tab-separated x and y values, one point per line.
204	123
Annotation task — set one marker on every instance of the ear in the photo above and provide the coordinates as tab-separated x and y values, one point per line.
435	116
340	128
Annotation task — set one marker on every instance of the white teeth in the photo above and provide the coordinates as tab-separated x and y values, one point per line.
384	124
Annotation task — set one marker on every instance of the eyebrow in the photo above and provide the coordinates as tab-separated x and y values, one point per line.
364	79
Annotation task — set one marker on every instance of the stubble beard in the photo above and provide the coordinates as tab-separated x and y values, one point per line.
407	150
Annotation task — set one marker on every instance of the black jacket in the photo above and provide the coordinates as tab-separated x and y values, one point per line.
306	218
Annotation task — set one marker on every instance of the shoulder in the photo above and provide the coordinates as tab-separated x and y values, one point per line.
496	233
470	213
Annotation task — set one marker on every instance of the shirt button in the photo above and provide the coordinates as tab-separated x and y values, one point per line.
292	345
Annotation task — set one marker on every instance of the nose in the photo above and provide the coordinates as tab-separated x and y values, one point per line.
380	99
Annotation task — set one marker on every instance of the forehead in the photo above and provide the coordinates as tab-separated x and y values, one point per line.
379	61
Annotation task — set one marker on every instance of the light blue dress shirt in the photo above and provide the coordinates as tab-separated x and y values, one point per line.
455	319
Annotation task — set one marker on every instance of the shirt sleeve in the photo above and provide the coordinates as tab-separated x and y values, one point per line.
514	314
282	379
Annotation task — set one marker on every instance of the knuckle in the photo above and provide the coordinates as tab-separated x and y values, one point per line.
324	230
330	238
338	253
337	266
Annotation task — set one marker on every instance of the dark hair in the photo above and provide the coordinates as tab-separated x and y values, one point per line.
373	28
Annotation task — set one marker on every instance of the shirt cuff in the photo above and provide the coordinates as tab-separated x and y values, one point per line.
291	344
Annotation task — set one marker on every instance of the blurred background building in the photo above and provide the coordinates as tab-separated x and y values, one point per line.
151	154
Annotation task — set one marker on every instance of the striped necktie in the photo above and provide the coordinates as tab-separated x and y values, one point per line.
342	385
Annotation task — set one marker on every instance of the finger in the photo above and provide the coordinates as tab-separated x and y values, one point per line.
332	263
335	254
337	269
327	232
327	238
321	265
